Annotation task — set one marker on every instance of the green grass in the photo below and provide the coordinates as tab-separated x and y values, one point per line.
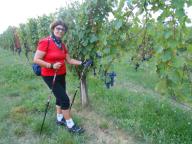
132	105
23	98
142	112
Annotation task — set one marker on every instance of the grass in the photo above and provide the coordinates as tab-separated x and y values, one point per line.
149	117
23	98
132	105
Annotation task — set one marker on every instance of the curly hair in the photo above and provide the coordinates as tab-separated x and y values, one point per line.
56	23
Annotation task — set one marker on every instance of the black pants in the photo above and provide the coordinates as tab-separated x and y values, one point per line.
59	90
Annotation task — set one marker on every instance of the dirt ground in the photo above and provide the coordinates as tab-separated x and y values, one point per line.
99	134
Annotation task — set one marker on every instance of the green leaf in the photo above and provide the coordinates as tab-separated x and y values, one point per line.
85	42
158	49
167	34
93	38
123	36
81	34
189	2
189	49
180	12
129	2
118	24
173	76
107	50
178	62
172	44
167	56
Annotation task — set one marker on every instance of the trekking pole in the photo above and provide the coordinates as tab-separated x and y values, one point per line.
48	101
82	73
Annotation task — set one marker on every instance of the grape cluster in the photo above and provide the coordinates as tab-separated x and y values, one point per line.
109	79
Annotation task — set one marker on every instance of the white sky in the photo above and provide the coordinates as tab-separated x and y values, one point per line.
14	12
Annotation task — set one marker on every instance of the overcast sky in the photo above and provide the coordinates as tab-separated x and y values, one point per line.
14	12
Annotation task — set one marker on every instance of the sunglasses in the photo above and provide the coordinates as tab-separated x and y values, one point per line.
60	29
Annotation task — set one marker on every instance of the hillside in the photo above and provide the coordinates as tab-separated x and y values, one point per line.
130	112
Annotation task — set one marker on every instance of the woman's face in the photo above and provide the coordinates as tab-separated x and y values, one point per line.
59	31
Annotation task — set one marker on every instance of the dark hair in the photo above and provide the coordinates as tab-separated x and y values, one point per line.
56	23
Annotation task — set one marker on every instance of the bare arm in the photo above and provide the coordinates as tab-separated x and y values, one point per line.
38	59
72	61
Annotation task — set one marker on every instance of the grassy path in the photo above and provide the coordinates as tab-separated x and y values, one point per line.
129	113
133	87
102	131
22	110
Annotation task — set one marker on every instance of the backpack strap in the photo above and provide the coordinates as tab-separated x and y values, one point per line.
48	43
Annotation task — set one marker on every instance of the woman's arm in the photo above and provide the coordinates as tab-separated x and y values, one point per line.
72	61
38	59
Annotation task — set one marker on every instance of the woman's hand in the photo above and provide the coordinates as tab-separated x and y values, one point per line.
57	65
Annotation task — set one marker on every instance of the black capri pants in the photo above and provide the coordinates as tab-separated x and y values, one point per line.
59	90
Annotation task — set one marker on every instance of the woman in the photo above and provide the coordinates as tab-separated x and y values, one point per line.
51	55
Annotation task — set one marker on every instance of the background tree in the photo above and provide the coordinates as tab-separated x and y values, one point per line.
24	40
